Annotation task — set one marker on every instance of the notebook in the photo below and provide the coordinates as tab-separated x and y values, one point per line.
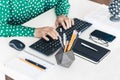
26	69
89	51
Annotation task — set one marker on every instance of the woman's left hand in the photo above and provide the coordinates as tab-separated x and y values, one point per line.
64	21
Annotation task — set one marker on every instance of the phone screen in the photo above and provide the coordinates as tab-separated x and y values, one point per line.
103	35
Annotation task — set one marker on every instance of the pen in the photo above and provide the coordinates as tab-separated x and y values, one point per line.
41	66
89	46
60	39
64	39
37	67
66	45
74	35
79	33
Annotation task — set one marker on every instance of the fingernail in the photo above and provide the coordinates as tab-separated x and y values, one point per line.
66	28
47	39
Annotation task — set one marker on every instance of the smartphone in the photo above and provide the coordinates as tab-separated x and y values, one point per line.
103	35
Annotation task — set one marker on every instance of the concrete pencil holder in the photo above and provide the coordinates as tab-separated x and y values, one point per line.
64	59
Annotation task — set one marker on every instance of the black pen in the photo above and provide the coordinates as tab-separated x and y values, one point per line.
32	62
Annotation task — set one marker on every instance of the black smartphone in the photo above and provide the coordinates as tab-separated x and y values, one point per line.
103	35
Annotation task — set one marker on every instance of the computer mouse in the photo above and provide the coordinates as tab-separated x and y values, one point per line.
16	44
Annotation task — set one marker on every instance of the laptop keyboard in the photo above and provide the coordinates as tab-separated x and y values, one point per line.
49	47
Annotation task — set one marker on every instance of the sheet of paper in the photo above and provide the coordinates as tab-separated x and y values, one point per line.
25	69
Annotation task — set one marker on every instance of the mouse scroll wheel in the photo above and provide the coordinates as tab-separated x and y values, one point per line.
21	45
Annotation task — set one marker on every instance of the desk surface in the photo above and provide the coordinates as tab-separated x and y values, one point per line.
108	69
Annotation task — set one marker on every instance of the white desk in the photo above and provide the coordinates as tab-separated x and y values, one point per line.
108	69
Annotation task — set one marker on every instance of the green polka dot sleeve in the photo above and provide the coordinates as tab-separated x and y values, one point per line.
10	30
13	13
16	30
62	7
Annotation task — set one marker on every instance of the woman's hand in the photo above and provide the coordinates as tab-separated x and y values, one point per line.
64	21
44	31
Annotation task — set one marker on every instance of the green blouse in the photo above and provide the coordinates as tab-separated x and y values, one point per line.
13	13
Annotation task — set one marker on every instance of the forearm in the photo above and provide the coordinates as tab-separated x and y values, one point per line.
7	30
62	7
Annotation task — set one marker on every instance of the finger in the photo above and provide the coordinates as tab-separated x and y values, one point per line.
54	27
57	24
72	21
63	24
53	30
52	35
56	33
46	38
67	23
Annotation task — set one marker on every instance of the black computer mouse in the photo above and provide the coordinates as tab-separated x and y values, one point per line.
16	44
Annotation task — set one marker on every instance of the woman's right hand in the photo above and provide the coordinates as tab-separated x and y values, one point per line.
42	32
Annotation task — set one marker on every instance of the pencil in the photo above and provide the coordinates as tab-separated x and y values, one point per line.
74	35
